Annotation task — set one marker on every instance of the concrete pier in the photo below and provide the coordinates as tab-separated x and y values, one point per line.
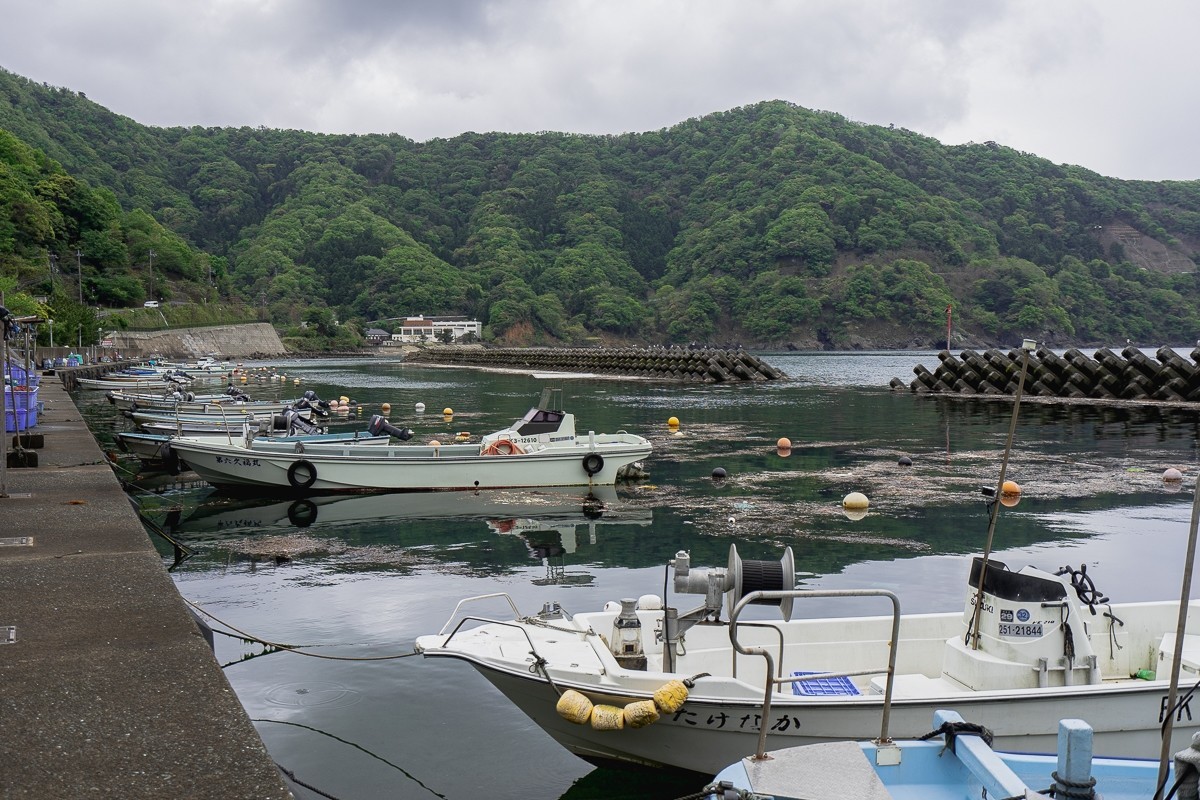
107	687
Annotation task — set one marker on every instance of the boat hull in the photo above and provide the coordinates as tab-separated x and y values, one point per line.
706	735
403	468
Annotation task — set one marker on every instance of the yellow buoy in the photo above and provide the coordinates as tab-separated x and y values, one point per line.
673	422
608	718
855	500
386	408
344	400
447	411
670	697
574	707
1010	487
784	443
640	714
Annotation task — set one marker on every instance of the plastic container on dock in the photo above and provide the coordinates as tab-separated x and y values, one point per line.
19	418
20	407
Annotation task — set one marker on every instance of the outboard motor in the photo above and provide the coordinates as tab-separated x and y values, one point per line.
297	425
379	426
237	394
320	408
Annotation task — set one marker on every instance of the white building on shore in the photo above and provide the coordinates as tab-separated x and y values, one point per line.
434	329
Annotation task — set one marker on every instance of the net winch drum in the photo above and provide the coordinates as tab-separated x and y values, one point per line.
737	580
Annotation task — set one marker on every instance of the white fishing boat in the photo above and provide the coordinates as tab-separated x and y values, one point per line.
214	417
1045	645
181	400
540	449
136	382
155	448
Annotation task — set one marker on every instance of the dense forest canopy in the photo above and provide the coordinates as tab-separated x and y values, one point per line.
771	225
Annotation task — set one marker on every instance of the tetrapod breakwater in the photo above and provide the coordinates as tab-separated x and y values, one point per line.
662	363
1105	375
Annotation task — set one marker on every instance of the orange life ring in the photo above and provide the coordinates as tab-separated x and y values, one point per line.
503	447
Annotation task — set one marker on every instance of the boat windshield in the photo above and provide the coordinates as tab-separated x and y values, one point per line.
540	420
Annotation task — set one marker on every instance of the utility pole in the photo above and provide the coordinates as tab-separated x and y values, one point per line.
152	295
79	272
53	270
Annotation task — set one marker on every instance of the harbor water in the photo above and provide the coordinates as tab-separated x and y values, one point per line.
353	580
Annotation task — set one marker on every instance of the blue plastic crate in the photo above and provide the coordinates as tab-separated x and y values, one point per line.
823	686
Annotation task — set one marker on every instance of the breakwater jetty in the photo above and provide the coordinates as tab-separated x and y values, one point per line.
1105	375
662	363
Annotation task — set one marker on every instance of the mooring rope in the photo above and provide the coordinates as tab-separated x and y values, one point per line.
293	648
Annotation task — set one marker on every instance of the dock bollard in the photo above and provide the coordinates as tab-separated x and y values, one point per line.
1073	778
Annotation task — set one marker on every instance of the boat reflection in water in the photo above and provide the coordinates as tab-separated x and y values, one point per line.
548	519
552	537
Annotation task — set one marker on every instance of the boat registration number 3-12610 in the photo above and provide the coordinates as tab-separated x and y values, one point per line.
1020	629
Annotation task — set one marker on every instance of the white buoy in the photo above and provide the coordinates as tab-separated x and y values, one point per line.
420	407
855	500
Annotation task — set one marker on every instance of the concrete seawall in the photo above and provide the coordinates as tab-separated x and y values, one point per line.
109	689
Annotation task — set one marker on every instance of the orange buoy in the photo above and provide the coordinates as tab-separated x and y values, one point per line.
784	443
1010	488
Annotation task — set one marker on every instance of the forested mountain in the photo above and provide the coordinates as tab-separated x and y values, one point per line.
769	224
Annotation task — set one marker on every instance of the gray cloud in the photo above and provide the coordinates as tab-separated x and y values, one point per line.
1074	81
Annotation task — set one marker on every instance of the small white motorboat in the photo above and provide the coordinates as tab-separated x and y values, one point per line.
540	449
155	448
1044	645
178	400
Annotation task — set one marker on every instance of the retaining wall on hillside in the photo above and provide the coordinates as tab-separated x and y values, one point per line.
1132	375
707	366
251	340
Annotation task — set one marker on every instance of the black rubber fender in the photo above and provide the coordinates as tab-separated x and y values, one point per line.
593	463
295	469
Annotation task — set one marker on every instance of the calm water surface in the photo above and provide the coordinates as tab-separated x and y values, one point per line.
374	572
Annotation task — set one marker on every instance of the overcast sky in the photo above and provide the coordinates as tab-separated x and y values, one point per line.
1109	86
